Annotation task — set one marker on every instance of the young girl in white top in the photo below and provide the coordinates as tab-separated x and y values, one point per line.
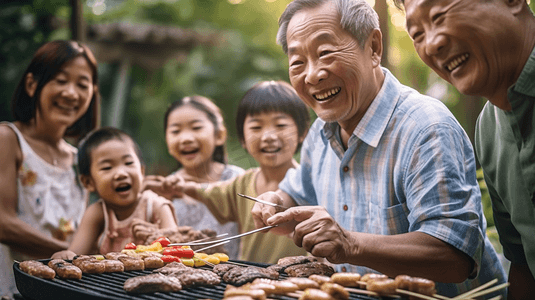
41	199
195	134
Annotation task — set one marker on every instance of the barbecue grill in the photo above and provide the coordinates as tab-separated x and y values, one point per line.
110	286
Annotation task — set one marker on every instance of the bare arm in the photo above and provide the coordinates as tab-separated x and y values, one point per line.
414	253
86	236
166	217
14	232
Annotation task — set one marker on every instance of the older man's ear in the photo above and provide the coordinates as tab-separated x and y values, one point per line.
375	44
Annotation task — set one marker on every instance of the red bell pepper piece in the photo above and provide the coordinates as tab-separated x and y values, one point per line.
170	258
163	241
130	246
178	251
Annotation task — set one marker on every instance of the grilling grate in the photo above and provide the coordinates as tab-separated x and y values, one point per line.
110	286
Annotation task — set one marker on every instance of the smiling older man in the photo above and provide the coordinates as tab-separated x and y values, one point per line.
387	177
487	48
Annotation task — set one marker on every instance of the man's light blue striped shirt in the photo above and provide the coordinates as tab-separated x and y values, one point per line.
409	166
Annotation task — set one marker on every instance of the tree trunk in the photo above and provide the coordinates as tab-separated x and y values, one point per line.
381	7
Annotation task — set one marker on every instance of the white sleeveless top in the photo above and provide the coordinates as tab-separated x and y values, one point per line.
50	199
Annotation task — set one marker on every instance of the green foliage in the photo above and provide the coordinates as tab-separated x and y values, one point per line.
485	198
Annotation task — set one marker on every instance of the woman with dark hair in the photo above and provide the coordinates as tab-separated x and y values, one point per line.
41	199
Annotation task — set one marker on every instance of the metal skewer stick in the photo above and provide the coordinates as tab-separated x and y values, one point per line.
225	239
262	201
211	246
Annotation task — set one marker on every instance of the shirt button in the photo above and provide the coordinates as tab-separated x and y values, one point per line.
346	168
344	269
346	208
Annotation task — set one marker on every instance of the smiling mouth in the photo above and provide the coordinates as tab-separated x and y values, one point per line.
123	188
68	108
184	152
271	150
327	95
456	62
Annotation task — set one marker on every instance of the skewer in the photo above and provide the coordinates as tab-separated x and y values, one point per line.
469	293
400	291
422	296
211	246
235	263
490	290
225	239
209	238
206	262
369	293
262	201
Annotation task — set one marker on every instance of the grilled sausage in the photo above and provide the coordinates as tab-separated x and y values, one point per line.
371	276
382	286
304	283
37	269
335	290
315	294
346	279
65	269
255	294
112	265
153	262
416	284
132	263
281	287
320	279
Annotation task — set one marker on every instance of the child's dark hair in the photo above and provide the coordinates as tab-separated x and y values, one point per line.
45	65
273	96
214	115
96	138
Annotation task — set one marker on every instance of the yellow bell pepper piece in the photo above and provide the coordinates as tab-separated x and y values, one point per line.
221	256
187	262
153	247
198	262
212	259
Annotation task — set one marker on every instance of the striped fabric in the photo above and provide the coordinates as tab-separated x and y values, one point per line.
409	167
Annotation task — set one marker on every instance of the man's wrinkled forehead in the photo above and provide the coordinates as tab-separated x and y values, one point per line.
411	5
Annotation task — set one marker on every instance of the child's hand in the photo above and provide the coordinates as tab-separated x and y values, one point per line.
142	229
160	186
174	184
65	254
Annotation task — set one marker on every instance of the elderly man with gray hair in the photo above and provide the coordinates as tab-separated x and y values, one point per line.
387	181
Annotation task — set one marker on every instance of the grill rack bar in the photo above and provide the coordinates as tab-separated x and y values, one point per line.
109	286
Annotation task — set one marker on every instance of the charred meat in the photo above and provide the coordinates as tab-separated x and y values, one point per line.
307	269
152	283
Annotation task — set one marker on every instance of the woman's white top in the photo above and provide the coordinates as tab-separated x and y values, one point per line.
50	199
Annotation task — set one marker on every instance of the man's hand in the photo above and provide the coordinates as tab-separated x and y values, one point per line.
262	212
169	187
317	232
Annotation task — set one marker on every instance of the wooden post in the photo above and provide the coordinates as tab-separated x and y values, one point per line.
77	21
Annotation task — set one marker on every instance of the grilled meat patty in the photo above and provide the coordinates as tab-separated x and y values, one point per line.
307	269
285	262
196	277
221	269
152	283
241	275
170	268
